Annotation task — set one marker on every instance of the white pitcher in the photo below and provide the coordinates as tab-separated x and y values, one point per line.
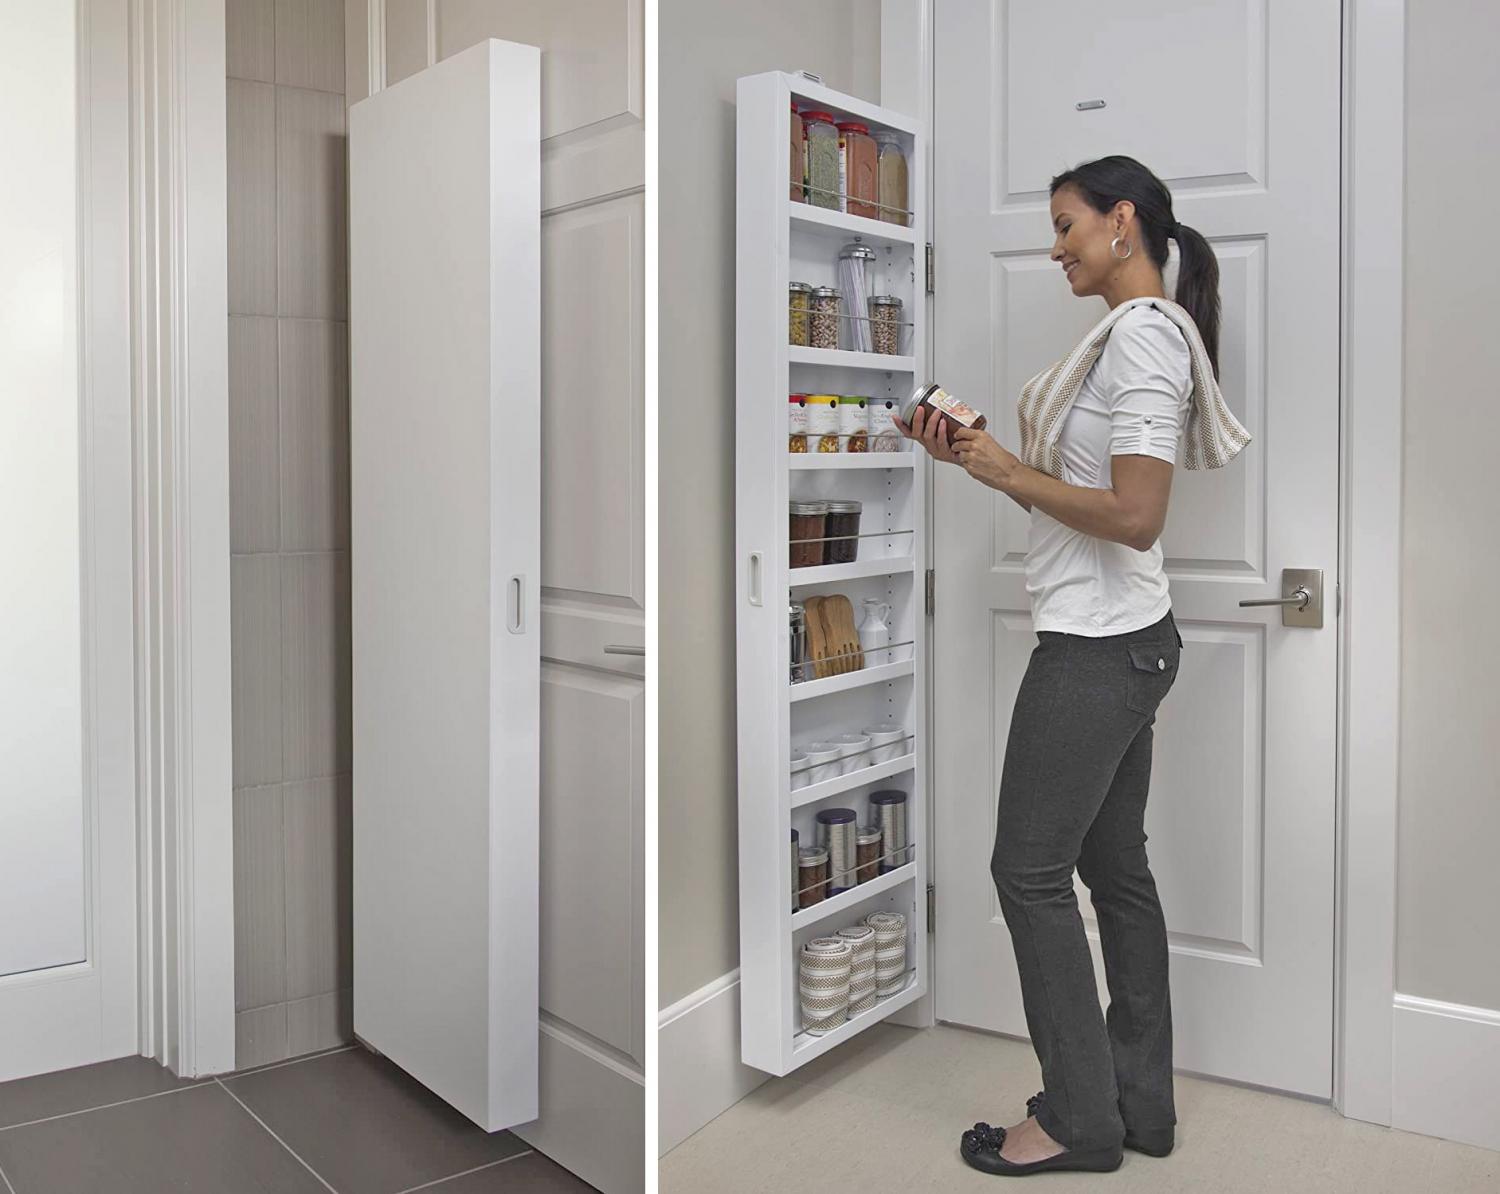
875	631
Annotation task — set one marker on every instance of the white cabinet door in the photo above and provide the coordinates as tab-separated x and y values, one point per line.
445	270
67	799
1235	104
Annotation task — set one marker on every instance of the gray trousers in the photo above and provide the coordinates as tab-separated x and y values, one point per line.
1073	793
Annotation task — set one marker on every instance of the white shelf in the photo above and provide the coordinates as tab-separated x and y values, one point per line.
806	1046
844	225
799	461
855	779
840	904
844	359
808	689
823	574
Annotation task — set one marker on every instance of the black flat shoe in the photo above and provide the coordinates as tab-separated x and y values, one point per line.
1154	1142
981	1144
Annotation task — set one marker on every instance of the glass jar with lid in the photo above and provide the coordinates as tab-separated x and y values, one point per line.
822	159
859	166
825	317
798	306
841	526
892	185
856	274
885	324
807	522
798	158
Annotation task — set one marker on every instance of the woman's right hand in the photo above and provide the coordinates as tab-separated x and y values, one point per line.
931	433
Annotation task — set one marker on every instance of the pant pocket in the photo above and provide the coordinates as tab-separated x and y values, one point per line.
1153	667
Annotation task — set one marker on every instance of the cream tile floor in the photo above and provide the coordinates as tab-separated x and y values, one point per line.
884	1112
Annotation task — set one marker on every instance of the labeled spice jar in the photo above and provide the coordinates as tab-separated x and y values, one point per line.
838	832
892	185
888	808
796	411
824	332
822	159
856	269
937	402
859	169
798	305
808	522
867	853
798	159
885	324
854	423
885	436
823	422
812	876
841	526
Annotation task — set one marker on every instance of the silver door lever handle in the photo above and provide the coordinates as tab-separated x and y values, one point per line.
1300	599
622	649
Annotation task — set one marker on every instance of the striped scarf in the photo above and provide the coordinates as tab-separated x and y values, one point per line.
1214	436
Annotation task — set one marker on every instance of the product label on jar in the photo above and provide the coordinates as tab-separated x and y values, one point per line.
823	422
854	426
796	426
883	434
959	412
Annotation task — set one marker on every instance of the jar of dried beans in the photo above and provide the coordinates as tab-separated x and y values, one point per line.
825	317
807	522
798	304
822	159
885	323
854	423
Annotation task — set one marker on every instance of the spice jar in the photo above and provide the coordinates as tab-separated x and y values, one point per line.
867	853
812	876
936	401
859	166
796	410
884	435
808	522
825	317
822	159
892	183
799	301
856	268
823	422
842	529
798	158
885	323
837	832
854	423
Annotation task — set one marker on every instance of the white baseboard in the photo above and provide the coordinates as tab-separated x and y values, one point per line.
1445	1078
698	1060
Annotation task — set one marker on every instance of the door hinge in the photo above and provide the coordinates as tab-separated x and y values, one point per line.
931	908
931	270
931	590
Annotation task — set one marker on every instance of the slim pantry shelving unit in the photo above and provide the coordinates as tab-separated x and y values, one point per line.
779	240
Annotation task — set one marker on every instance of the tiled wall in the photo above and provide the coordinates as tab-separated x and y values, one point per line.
289	514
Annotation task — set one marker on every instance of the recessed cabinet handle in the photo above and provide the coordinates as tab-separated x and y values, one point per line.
623	649
515	612
755	578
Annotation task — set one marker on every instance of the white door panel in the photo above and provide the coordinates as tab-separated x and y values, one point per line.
1245	130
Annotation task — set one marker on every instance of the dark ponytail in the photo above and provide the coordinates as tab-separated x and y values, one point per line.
1104	182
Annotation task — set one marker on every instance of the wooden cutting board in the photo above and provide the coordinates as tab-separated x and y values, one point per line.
840	635
817	639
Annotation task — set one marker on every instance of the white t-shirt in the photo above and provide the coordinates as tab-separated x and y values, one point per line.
1134	402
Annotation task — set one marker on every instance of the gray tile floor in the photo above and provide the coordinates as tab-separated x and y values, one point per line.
344	1121
884	1112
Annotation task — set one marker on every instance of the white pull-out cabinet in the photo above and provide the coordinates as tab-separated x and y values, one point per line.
779	240
445	375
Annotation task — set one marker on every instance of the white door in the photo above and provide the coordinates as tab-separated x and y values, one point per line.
67	816
1235	105
591	429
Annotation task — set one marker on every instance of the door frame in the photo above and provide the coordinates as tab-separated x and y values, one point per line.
179	508
1371	400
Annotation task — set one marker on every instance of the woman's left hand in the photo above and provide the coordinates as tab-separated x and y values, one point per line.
983	458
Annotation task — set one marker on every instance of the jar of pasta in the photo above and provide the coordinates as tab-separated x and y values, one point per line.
798	306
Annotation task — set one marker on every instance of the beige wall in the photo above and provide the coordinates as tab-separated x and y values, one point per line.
289	527
705	46
1448	875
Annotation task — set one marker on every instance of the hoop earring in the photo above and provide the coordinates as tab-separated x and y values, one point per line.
1114	248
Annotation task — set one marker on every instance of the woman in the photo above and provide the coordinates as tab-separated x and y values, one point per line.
1100	433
